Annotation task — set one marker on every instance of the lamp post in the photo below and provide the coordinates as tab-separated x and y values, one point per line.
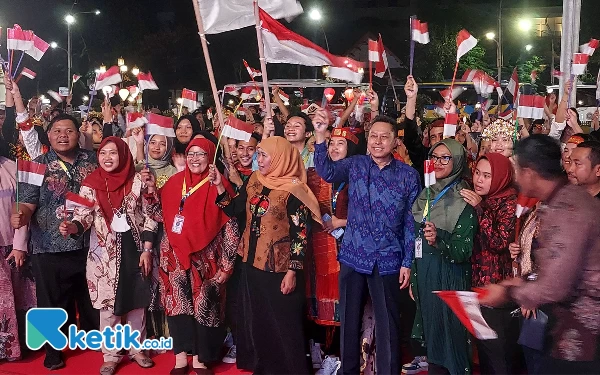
316	15
69	19
492	36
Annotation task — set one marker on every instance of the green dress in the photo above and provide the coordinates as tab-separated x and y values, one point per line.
445	267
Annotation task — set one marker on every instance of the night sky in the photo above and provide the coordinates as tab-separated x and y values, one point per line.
161	36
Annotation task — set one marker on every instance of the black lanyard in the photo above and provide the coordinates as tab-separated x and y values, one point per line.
335	196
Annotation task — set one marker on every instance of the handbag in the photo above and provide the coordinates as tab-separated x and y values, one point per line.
533	331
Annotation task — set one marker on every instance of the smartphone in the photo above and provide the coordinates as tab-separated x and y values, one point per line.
336	233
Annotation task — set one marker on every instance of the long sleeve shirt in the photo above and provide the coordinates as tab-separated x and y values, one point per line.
380	228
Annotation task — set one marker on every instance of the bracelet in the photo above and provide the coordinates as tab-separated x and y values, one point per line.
148	250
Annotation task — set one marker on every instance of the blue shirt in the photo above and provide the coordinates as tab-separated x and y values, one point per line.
380	227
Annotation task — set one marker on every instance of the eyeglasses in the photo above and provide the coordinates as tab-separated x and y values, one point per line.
444	160
199	154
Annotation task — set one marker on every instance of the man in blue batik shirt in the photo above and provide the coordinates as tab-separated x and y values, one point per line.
378	246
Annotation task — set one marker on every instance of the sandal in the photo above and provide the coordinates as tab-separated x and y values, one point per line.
142	360
108	368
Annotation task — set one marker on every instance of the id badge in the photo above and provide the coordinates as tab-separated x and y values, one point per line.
177	224
419	248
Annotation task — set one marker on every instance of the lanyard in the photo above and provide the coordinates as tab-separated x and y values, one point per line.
64	168
185	195
335	196
436	199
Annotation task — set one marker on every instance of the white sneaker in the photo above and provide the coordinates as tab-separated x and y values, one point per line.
330	366
228	340
231	355
316	354
418	365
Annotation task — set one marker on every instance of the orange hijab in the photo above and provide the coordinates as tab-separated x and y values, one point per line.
287	173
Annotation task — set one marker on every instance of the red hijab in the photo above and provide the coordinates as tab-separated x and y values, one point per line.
502	175
203	219
112	187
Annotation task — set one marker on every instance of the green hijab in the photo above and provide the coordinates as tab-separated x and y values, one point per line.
448	209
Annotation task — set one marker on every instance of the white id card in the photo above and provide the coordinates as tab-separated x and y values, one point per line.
177	224
119	223
419	248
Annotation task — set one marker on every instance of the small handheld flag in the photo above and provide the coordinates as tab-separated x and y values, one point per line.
237	129
73	201
429	173
467	309
450	124
161	125
30	172
420	31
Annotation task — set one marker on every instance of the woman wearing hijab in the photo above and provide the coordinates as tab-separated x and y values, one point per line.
494	199
446	238
197	258
120	254
278	206
186	128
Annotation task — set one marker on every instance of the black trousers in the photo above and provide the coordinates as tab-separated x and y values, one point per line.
497	356
385	295
192	337
231	302
60	282
552	366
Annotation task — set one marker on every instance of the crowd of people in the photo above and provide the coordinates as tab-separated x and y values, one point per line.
312	246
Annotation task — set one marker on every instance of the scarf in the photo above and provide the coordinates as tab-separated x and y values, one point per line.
445	213
203	219
180	148
502	175
112	187
287	173
163	166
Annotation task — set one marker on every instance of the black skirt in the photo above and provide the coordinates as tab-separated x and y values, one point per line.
133	289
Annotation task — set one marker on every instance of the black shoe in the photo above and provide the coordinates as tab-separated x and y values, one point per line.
53	365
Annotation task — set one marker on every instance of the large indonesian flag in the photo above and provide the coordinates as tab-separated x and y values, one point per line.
467	309
189	98
237	129
420	31
146	81
284	46
530	106
30	172
73	201
38	48
219	16
429	173
464	43
161	125
111	77
19	39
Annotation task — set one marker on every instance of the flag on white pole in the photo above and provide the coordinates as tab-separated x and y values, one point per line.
19	39
189	98
580	61
420	31
531	106
161	125
465	42
373	51
467	309
112	76
237	129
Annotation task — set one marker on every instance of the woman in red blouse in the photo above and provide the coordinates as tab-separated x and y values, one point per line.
494	199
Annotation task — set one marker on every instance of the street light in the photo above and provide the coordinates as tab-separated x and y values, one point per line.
525	24
120	61
315	14
53	44
102	68
528	47
123	68
135	70
97	12
70	19
490	35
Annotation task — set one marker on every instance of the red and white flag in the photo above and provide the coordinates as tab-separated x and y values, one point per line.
54	95
556	73
161	125
580	61
190	100
373	51
112	76
470	75
251	71
28	73
76	78
524	205
284	46
135	120
590	47
232	90
19	39
382	64
38	48
420	31
450	123
456	91
248	93
285	97
531	106
30	172
429	173
73	201
146	81
237	129
484	84
219	16
513	84
464	43
467	309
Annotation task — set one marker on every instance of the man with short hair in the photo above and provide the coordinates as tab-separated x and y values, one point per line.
58	262
567	281
584	169
377	250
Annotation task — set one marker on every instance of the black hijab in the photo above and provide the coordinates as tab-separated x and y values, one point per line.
196	129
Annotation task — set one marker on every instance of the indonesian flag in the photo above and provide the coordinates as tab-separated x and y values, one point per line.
531	106
231	90
237	129
146	82
556	73
161	125
456	91
73	201
513	84
30	172
450	123
219	16
524	205
19	39
382	64
429	173
135	120
76	78
590	47
284	46
420	32
28	73
189	99
470	75
464	42
248	93
54	95
580	61
38	48
467	309
285	97
251	71
484	84
112	76
373	51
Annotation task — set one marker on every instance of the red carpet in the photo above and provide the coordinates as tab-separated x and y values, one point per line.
89	362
